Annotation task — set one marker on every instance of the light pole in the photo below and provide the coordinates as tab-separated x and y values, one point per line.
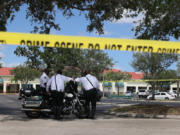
103	83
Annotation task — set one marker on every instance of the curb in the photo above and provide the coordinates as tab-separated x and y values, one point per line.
154	101
116	104
132	115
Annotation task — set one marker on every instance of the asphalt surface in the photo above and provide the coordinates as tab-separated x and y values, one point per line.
10	105
14	122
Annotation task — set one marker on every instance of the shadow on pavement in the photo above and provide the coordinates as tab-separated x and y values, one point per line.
10	110
11	114
6	118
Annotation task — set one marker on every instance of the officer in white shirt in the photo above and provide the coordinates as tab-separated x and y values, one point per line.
43	80
57	90
90	85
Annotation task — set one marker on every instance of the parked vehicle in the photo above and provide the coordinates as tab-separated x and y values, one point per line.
162	96
27	90
173	92
128	93
73	103
143	93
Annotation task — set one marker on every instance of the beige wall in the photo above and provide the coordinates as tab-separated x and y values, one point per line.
113	89
8	80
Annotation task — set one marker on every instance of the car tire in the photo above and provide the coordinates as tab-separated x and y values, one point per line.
166	98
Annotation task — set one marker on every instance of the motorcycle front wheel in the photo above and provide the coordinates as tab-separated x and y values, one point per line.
80	111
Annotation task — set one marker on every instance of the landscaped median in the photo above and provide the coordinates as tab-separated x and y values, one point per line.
146	111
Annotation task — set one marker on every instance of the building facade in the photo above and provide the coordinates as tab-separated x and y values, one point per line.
7	85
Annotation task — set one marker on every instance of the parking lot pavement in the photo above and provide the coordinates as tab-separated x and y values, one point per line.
14	122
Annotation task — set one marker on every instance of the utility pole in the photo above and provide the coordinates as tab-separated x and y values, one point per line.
178	70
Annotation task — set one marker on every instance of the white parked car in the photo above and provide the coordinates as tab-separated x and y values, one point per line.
173	92
143	93
128	93
161	96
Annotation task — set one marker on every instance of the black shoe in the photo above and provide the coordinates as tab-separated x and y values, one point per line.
92	117
58	117
87	116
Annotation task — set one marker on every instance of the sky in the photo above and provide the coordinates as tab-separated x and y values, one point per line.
74	26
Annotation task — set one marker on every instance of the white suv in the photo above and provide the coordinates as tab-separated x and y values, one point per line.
162	95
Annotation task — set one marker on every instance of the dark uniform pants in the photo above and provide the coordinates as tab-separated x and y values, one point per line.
57	102
57	97
90	97
42	92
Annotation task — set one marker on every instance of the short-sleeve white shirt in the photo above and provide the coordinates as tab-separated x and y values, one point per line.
43	80
59	84
86	84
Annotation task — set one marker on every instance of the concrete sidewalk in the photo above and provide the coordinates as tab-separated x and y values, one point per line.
116	126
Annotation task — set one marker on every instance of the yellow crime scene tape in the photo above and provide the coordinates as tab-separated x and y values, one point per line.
45	40
137	45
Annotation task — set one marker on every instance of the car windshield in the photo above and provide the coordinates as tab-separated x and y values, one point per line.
163	93
141	90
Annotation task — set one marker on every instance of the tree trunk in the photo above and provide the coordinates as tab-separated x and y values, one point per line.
178	89
153	92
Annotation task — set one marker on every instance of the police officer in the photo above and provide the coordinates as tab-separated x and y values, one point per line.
43	80
57	90
90	85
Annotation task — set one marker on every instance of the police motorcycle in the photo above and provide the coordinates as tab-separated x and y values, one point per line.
37	105
32	101
26	91
74	102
